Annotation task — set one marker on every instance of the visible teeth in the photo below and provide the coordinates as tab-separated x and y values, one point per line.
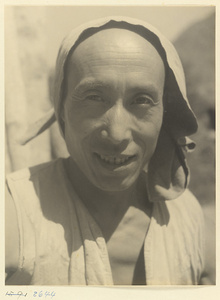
114	160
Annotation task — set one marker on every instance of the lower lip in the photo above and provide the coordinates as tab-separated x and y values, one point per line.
116	167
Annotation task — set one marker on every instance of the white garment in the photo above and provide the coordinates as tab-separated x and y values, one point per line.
61	244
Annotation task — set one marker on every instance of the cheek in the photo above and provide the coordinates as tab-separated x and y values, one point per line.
148	133
79	123
150	123
155	116
149	136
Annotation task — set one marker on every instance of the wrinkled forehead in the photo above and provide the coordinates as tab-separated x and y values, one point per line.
123	37
116	45
116	48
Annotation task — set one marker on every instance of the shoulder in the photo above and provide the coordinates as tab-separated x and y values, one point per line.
15	182
34	171
26	189
184	216
201	224
187	216
187	198
186	213
182	210
37	189
29	181
27	186
181	227
186	206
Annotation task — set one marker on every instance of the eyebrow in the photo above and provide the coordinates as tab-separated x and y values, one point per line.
92	84
88	84
147	88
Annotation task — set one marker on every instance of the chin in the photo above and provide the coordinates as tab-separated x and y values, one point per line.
115	185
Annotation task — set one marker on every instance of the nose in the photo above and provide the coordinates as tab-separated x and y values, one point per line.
117	128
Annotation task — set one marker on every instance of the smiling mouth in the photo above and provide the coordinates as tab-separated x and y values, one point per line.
114	160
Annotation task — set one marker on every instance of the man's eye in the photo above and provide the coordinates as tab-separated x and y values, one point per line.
142	100
96	98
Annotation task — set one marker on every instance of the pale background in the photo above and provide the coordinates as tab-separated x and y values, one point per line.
171	21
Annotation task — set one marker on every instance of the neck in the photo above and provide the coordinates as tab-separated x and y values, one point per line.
104	205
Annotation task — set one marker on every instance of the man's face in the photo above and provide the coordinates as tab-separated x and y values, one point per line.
113	109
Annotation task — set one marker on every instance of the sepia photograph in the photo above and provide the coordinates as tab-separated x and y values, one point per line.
110	145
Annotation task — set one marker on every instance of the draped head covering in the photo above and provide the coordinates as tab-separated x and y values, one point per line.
167	173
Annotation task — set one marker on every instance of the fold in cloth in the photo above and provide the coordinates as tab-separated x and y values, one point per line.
38	127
